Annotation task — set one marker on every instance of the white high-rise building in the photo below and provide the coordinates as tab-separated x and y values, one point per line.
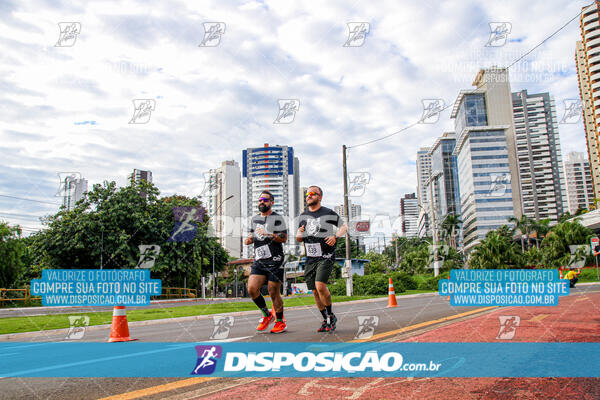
409	214
73	189
423	173
355	211
276	169
223	204
580	191
539	156
485	148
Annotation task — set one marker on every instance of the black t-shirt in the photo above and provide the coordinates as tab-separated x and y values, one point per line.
319	225
265	248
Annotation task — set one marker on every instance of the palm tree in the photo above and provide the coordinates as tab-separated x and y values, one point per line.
524	225
449	229
496	251
556	244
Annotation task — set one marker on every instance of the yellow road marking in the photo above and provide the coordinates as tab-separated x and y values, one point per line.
136	394
421	325
539	317
582	298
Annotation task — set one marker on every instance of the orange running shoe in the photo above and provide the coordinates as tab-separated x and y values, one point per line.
264	322
279	327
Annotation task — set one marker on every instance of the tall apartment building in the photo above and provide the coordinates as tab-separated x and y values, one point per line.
302	199
423	172
580	191
409	214
272	168
587	60
223	205
485	147
140	175
539	156
444	177
73	189
355	211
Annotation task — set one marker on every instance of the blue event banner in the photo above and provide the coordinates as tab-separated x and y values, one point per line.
504	287
221	359
96	287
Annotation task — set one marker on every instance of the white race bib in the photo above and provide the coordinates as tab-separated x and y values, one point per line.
262	252
313	250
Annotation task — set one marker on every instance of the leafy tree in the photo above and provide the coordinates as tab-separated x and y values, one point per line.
379	263
109	224
340	248
12	250
555	246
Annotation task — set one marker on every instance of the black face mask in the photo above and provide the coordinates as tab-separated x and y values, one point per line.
263	207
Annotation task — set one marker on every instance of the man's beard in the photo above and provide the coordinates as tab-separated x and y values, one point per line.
263	208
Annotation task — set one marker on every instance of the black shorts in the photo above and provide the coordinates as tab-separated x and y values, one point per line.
317	271
273	272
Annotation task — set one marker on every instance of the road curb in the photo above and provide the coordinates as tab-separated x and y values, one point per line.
25	335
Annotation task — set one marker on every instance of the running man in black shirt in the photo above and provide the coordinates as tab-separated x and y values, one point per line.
317	229
268	232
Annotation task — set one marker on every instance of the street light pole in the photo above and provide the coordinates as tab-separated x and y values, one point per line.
213	250
348	263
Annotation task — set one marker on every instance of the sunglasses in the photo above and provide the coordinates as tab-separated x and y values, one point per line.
309	194
264	200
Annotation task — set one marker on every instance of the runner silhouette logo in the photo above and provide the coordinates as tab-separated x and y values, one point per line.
207	359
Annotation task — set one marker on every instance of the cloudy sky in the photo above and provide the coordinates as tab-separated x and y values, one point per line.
66	104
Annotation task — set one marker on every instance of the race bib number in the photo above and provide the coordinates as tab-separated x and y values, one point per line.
313	250
262	252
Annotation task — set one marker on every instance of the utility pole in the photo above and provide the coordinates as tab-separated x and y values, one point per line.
395	239
347	271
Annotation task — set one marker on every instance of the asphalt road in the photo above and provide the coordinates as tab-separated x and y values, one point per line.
425	310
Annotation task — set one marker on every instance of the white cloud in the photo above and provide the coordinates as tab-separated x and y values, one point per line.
213	102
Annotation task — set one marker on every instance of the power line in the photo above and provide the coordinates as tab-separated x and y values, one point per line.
22	198
473	91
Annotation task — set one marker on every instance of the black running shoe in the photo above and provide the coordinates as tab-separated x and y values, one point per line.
324	327
332	320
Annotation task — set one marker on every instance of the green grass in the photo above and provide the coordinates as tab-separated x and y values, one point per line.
588	275
60	321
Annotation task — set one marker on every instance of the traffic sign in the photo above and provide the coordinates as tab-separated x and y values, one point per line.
595	245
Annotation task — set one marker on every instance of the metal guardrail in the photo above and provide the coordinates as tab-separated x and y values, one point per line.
177	293
7	295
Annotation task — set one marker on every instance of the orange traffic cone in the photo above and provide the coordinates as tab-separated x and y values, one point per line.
119	330
392	295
